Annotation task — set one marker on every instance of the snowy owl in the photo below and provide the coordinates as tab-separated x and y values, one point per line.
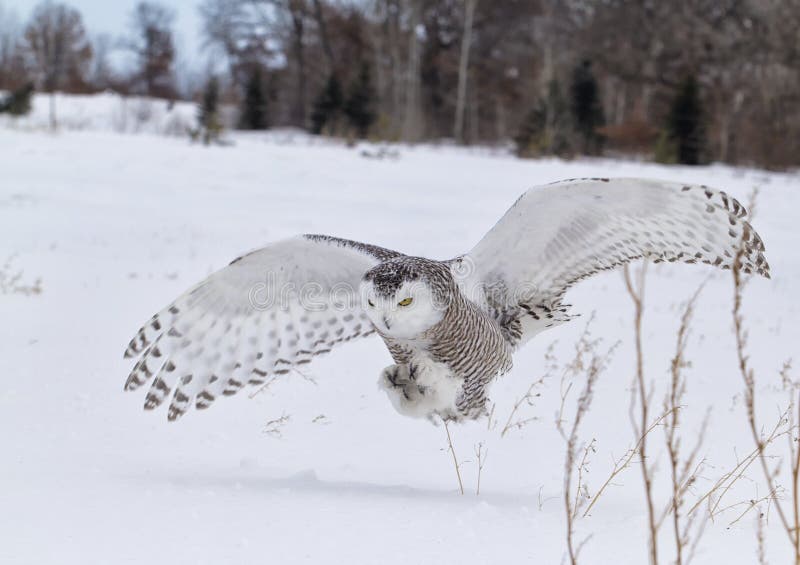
451	326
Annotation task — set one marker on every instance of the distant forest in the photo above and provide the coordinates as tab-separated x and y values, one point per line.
684	81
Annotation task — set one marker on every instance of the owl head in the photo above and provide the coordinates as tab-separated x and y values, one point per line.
406	296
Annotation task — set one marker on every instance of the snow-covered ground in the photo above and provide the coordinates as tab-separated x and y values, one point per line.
118	225
106	112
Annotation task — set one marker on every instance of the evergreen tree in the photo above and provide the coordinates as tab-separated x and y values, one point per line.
559	122
327	107
530	139
18	102
209	124
547	127
359	107
685	124
254	110
587	110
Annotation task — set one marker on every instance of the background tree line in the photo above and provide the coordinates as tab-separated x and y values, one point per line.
689	81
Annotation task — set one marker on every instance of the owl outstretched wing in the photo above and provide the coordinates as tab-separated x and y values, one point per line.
265	314
558	234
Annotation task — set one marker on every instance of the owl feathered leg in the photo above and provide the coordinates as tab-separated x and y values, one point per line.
418	392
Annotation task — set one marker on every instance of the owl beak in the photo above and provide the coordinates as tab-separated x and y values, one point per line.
386	323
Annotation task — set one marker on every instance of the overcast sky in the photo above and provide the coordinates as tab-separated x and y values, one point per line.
113	17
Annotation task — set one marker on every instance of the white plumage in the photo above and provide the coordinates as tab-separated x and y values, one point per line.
277	308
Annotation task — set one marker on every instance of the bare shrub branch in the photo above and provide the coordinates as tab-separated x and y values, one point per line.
624	462
683	473
587	364
730	478
636	292
790	523
530	395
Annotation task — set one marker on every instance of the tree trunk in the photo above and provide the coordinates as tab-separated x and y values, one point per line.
323	36
500	128
411	126
474	119
620	108
393	25
379	37
53	122
463	67
298	29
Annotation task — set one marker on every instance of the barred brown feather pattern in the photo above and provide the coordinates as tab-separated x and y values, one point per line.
472	344
467	340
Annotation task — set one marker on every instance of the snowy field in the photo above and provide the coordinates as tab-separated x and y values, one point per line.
118	225
106	112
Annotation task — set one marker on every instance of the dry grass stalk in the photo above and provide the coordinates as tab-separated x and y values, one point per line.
624	462
589	364
11	281
683	473
542	499
789	517
481	451
762	557
530	396
264	387
491	421
750	504
582	495
274	378
724	484
636	292
273	427
453	453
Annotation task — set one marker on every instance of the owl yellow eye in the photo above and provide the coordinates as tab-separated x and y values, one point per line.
406	301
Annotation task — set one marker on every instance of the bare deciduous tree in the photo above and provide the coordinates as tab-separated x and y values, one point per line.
153	45
12	61
59	50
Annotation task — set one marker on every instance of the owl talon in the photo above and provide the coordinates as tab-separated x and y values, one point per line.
391	376
411	394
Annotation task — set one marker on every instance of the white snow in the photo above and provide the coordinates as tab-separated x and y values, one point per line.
107	112
118	225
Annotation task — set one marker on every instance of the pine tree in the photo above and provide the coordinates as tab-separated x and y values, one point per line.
587	110
560	137
530	139
547	127
254	110
360	103
209	124
327	107
18	102
685	124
